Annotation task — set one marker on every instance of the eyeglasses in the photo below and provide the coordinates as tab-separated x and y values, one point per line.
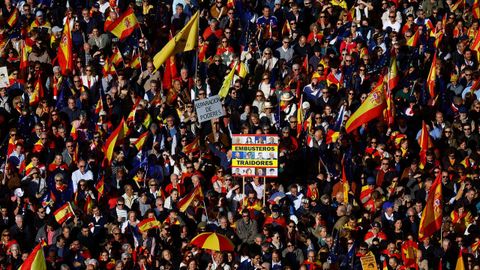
88	70
189	167
120	204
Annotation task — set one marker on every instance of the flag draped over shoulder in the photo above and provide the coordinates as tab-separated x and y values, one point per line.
185	40
124	25
409	253
431	220
36	259
64	55
370	109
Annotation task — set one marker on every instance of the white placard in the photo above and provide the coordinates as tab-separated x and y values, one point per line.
4	82
209	108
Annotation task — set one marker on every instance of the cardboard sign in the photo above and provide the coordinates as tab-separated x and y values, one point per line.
209	108
368	262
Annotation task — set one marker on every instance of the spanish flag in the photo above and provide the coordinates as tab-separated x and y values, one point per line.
73	132
117	57
100	186
111	141
124	25
185	202
23	57
192	147
36	259
432	77
476	43
460	263
475	246
99	106
141	141
185	40
108	68
131	115
431	220
413	40
13	19
332	136
370	109
476	9
11	146
64	55
63	213
409	253
425	143
300	116
147	224
136	62
457	5
227	82
393	76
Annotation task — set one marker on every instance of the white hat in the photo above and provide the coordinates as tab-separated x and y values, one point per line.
56	29
306	105
286	96
268	104
39	13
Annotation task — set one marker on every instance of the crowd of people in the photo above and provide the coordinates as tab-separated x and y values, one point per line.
303	67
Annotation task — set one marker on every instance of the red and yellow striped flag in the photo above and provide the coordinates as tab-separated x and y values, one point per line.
141	141
425	143
108	68
99	106
38	146
370	109
23	57
63	213
476	43
192	147
13	19
111	141
100	186
460	263
413	40
36	259
185	202
147	224
73	132
124	25
476	9
432	77
117	56
64	55
393	77
431	220
136	62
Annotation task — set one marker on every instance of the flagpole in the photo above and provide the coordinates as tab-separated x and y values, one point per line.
264	189
243	191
